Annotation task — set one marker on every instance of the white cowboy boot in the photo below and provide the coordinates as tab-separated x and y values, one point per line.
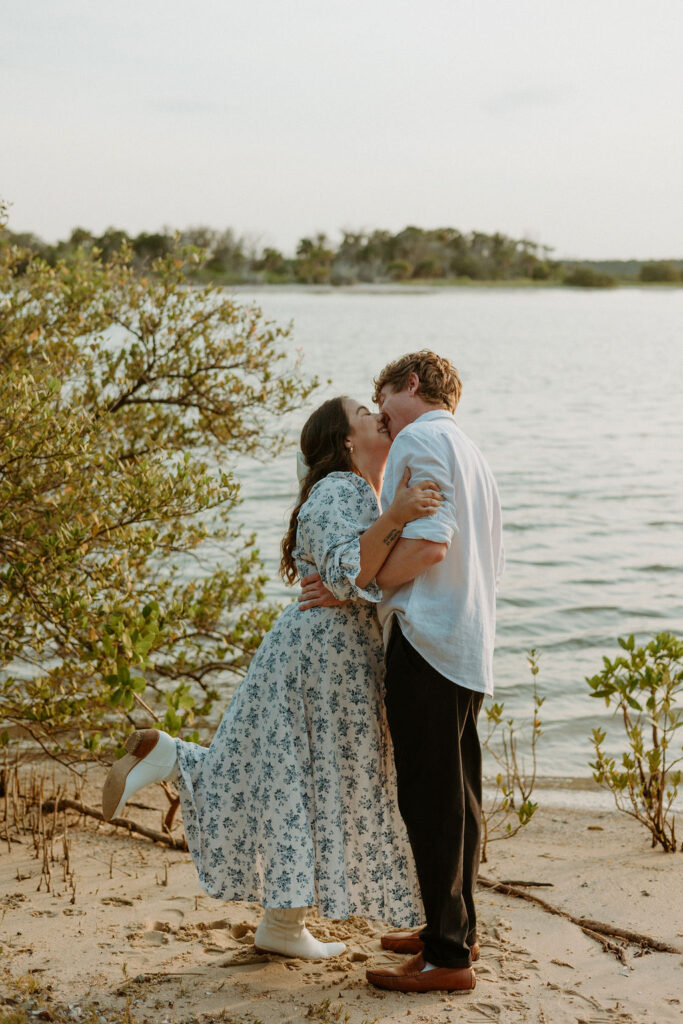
151	757
284	931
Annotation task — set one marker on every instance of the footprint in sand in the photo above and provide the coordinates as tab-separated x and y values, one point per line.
243	932
242	957
175	911
224	935
154	933
154	938
488	1011
486	969
12	900
161	926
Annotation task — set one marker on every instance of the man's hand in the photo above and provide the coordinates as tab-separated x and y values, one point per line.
314	595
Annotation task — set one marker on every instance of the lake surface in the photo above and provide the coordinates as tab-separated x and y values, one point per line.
575	399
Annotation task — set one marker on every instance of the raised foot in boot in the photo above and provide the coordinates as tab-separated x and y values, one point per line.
151	757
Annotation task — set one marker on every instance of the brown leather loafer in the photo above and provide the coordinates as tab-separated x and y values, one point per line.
409	941
410	977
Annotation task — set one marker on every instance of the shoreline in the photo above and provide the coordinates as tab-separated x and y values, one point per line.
428	286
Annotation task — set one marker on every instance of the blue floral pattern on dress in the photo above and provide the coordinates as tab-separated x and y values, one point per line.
294	803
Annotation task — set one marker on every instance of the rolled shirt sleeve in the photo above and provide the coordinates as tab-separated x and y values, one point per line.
425	464
329	528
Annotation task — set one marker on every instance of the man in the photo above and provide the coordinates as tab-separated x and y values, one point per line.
438	615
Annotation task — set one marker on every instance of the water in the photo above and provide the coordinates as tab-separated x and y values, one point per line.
575	399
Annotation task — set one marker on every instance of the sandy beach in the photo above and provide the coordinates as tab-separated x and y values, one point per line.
126	934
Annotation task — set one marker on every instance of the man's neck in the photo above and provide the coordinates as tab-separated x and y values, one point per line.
421	407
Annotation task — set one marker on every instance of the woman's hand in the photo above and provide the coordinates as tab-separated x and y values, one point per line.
415	502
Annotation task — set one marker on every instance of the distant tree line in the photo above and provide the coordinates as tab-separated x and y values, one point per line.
413	254
651	272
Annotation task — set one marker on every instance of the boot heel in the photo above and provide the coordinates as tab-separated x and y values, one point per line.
133	742
142	742
115	784
137	768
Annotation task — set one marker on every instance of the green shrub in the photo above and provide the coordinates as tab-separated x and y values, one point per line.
125	402
586	277
663	272
644	685
400	270
428	268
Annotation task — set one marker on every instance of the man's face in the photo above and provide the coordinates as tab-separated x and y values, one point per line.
398	408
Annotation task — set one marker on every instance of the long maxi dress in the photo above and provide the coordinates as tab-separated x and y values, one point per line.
294	803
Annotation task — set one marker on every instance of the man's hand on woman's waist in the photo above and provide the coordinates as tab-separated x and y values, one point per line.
314	594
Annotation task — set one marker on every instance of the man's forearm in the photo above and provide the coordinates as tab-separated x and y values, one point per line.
409	559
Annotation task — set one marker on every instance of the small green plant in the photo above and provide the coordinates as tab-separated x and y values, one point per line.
27	984
512	807
644	685
325	1013
14	1017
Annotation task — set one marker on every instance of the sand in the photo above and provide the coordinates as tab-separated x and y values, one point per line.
128	935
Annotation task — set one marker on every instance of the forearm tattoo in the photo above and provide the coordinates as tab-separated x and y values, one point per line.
391	537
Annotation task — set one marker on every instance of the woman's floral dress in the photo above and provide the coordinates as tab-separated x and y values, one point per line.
294	803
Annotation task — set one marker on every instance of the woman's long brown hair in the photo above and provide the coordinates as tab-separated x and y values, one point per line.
323	447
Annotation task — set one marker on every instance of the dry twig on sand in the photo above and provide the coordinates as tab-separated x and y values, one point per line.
130	826
597	930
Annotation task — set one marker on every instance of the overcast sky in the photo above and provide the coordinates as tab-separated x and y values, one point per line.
558	121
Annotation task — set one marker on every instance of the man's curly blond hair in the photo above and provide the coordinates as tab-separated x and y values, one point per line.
439	380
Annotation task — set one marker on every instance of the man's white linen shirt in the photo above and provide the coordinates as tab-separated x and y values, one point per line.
448	612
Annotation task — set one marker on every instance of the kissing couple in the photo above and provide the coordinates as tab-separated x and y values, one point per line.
346	771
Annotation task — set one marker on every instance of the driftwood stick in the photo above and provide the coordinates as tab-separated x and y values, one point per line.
636	938
607	944
534	885
130	826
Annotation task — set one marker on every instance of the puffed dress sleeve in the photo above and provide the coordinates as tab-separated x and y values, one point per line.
330	524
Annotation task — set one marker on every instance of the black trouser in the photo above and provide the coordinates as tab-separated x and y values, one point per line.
433	724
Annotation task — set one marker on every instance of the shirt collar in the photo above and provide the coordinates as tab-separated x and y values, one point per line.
434	414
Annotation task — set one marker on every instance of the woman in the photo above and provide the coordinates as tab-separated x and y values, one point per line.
294	802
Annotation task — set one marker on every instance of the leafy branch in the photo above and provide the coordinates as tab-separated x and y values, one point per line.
644	686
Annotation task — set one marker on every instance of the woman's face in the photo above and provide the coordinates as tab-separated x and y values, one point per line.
368	434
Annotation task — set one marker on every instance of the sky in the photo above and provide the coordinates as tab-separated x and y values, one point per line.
554	121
